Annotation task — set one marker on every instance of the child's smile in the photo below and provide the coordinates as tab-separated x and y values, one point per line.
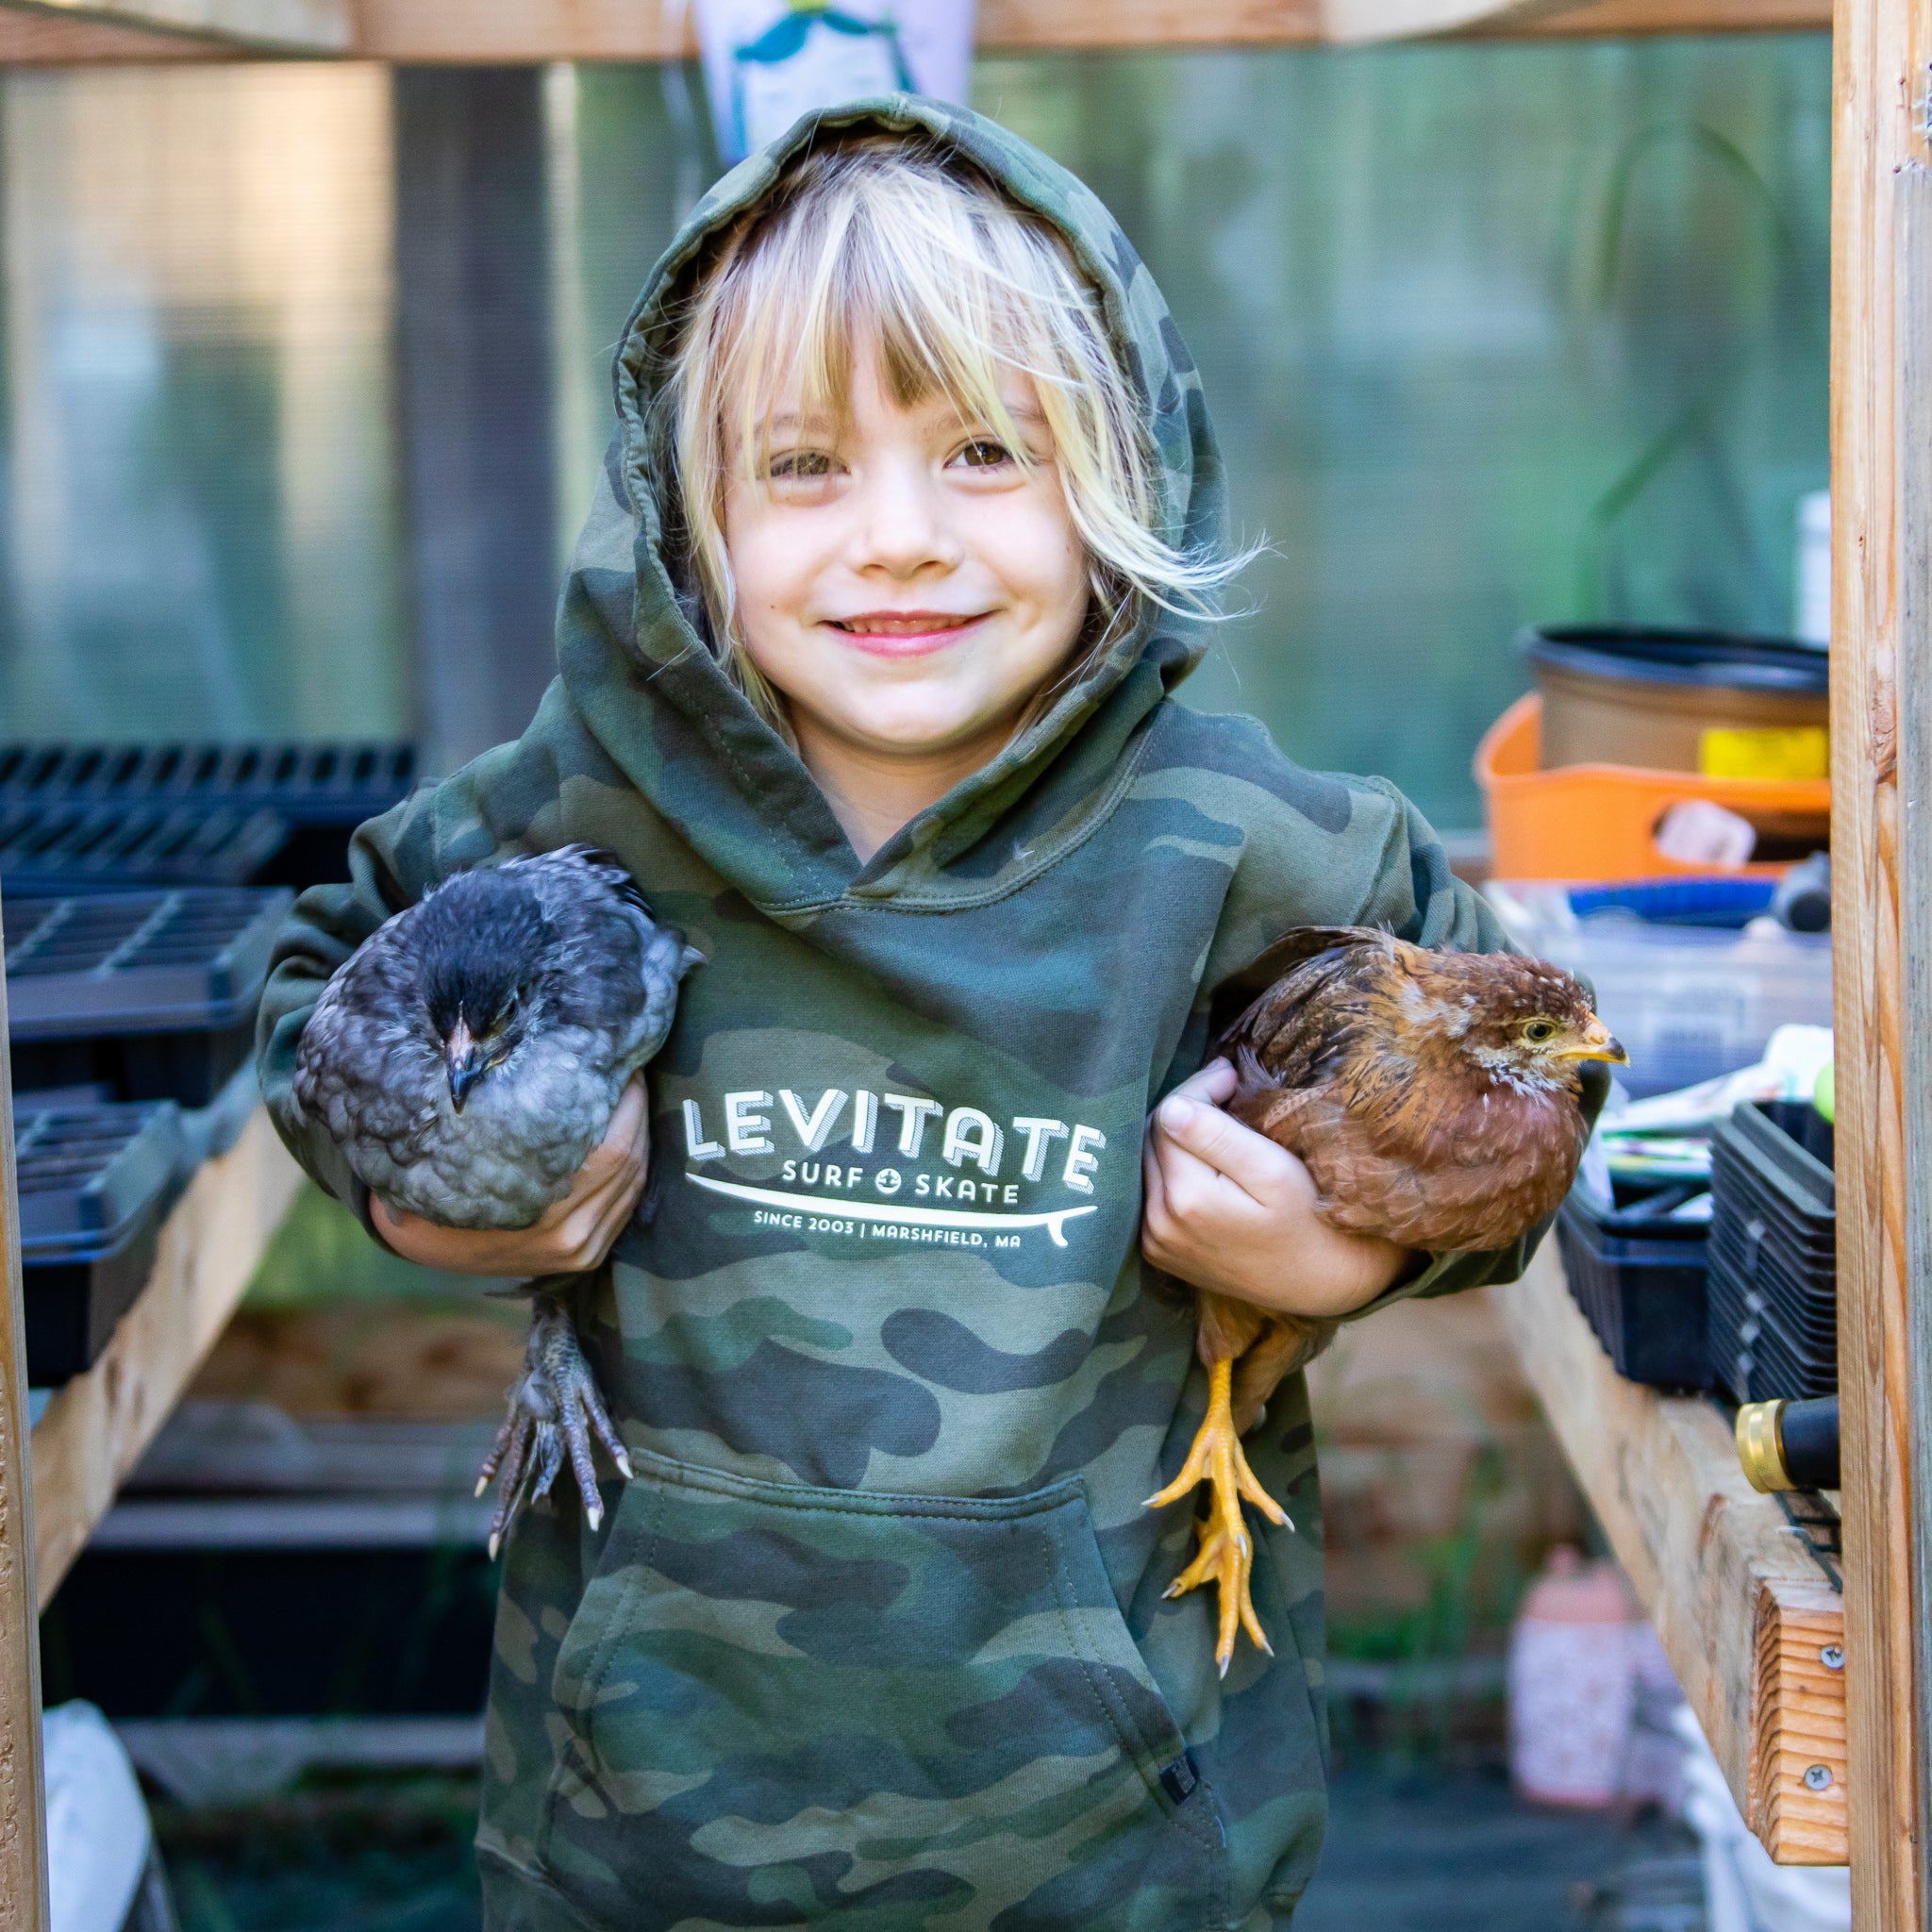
908	584
905	633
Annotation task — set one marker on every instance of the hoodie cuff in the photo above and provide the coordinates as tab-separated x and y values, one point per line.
1454	1274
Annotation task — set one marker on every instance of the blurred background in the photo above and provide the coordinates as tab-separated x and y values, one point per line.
307	368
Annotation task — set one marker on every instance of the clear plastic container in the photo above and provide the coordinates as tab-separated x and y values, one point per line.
1688	1001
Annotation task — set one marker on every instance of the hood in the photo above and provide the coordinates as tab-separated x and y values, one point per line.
650	691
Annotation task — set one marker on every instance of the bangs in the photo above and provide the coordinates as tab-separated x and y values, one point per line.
948	295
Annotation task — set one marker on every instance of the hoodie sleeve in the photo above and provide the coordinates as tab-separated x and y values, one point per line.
1346	851
504	802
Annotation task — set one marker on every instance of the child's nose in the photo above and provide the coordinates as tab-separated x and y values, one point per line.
901	526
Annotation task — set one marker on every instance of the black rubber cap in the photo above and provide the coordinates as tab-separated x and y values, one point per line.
1807	1434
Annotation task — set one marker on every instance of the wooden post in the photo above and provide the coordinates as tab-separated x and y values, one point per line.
473	320
22	1799
1881	651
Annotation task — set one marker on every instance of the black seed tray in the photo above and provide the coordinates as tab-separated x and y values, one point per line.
1638	1277
1751	1358
328	784
151	996
94	1183
1809	1321
321	791
63	846
1800	1227
1743	1297
1773	1283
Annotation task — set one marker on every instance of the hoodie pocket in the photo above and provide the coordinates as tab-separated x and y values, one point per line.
781	1704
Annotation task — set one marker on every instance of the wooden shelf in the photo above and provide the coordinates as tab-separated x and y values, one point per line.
1748	1618
96	1427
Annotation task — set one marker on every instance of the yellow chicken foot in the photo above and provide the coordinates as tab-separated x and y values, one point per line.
1226	1556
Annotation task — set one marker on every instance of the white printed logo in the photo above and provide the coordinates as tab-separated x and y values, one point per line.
963	1137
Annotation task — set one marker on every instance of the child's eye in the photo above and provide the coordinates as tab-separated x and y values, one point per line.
983	453
800	466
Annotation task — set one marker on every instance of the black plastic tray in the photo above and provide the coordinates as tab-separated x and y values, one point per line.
1774	1244
1638	1277
151	996
57	847
94	1183
319	792
330	784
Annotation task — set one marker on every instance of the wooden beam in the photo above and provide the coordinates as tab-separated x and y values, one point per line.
1623	19
441	31
1355	22
23	1797
95	1429
43	40
1747	1616
257	26
511	32
1881	713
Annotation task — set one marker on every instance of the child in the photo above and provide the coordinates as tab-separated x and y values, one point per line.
911	527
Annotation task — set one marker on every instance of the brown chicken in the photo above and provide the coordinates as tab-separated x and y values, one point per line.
1437	1099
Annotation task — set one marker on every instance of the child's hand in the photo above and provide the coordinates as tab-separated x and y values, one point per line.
1229	1211
573	1235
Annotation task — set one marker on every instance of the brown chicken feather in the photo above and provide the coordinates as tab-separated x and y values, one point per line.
1437	1101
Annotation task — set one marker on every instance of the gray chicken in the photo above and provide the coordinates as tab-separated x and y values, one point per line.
466	1059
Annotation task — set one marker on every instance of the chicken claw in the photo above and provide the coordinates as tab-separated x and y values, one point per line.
1226	1556
555	1408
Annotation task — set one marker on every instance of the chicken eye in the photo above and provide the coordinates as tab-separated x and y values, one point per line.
1540	1030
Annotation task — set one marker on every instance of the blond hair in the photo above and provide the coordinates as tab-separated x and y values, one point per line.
896	246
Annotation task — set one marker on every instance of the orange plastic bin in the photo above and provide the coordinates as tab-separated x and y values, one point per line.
1599	821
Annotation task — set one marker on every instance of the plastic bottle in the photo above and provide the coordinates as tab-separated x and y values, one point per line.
1571	1684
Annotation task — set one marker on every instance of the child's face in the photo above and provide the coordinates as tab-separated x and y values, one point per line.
901	580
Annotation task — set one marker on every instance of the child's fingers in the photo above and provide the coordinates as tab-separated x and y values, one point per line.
629	1131
1195	1197
1254	1163
594	1218
619	1158
1215	1084
616	1210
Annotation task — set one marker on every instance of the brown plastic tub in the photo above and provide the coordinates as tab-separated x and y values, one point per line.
1678	700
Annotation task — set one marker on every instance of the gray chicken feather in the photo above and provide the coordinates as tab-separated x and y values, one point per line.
469	1055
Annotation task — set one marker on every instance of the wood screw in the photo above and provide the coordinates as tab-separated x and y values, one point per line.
1833	1657
1818	1777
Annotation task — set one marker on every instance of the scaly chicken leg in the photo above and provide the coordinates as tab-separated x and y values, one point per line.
1229	1332
555	1408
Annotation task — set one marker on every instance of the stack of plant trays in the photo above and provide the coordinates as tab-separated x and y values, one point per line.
73	846
73	817
1774	1253
94	1184
1639	1276
138	995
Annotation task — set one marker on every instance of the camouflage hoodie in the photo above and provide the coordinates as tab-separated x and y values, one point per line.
876	1635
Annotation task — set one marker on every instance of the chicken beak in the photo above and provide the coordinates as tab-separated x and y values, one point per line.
1596	1042
465	1063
